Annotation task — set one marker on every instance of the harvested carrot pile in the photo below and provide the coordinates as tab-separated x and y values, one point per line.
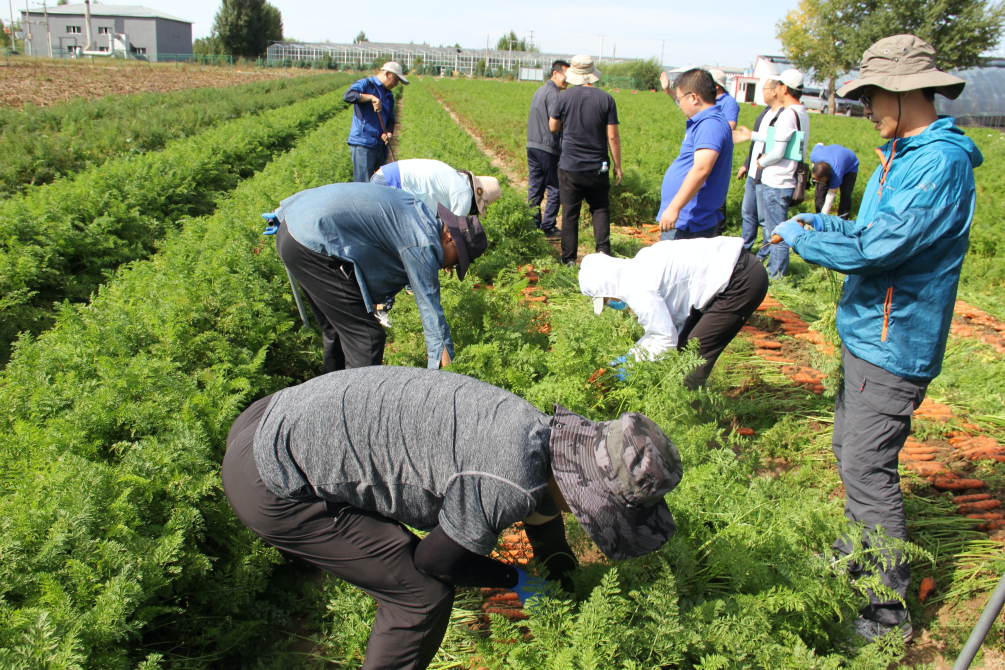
976	324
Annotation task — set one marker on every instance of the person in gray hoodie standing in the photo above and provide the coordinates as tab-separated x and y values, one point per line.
543	150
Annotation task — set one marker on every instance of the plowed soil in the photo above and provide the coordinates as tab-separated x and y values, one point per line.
52	83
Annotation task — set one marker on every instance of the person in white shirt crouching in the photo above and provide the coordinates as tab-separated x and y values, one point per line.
680	290
436	183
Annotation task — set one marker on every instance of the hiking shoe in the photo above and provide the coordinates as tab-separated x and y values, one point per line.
569	264
870	630
551	233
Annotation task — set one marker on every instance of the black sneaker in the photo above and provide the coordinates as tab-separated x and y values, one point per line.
551	233
870	630
569	264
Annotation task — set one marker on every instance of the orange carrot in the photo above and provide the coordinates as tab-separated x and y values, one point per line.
915	457
987	516
767	344
776	359
985	454
992	525
926	588
979	506
921	450
744	431
926	469
802	378
973	497
957	484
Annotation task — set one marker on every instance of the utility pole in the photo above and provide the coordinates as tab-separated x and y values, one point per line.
13	44
27	29
487	68
601	59
531	40
87	25
48	38
662	49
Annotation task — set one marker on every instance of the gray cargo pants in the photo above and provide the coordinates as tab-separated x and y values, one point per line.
872	419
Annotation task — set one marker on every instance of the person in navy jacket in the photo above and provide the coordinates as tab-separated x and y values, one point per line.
373	119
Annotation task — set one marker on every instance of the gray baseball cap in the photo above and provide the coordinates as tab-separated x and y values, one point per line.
902	63
614	475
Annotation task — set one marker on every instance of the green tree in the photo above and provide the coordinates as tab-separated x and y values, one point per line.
207	46
245	27
819	36
960	30
361	37
646	73
518	44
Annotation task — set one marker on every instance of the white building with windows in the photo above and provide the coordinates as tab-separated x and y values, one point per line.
143	33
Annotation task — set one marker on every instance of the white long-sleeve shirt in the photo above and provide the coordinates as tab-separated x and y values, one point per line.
432	182
662	283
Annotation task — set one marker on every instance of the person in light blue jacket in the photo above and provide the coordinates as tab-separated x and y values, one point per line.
350	246
372	119
902	258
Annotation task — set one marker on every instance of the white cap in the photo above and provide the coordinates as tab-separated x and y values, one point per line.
395	69
792	78
719	77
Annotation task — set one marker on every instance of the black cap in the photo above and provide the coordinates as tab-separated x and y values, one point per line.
468	234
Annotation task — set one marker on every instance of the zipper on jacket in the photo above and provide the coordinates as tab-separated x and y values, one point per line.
887	304
886	169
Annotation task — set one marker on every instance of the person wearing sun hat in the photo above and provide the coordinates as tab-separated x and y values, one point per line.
587	117
902	257
353	246
338	470
373	119
436	183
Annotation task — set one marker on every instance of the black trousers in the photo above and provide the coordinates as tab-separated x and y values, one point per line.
716	327
542	176
595	188
872	419
365	549
352	337
844	191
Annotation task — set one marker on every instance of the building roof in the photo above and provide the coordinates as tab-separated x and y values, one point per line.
131	11
983	97
391	48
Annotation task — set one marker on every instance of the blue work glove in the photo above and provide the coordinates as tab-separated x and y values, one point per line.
814	220
528	586
790	231
619	372
616	304
273	221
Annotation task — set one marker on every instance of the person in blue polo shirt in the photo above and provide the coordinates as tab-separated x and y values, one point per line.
834	167
731	110
696	183
372	119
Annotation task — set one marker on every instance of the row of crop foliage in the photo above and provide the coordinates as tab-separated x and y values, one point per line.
59	242
737	586
41	144
652	129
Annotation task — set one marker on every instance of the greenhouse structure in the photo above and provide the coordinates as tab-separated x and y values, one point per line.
983	100
455	59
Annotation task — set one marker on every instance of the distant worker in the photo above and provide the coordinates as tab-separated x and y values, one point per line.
702	289
731	110
752	209
902	258
351	246
436	183
696	183
778	173
338	470
373	119
543	149
834	167
587	117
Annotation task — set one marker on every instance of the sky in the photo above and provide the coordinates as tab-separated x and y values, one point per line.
732	34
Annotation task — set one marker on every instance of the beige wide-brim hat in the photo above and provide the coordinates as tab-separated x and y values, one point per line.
719	77
395	69
902	63
582	71
487	191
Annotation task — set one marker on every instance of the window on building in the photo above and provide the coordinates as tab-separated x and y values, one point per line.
70	49
102	48
75	30
138	50
104	31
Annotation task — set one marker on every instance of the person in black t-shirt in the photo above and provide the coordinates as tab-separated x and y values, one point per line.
588	120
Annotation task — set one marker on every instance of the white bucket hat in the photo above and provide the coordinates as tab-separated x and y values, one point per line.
395	69
486	190
582	71
719	77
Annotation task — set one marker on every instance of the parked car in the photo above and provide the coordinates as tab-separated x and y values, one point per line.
816	99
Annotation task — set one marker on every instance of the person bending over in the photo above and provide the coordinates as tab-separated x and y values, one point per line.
351	246
436	183
703	288
834	168
336	470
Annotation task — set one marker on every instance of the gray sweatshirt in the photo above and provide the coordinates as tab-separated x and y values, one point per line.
423	447
539	135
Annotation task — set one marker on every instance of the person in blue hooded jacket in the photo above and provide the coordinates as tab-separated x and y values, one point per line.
902	258
372	119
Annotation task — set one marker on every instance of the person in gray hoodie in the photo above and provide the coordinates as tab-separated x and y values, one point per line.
543	150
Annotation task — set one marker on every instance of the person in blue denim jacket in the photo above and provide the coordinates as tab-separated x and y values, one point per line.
372	119
350	246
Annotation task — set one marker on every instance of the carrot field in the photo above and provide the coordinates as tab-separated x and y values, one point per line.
144	318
